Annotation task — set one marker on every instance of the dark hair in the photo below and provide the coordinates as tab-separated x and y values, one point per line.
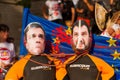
82	23
4	28
33	25
10	40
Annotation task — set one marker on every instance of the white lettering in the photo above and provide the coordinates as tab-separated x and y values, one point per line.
81	66
41	67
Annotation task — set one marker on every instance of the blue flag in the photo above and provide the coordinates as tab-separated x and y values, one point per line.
109	50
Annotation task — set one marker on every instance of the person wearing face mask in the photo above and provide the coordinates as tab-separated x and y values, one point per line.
35	65
82	65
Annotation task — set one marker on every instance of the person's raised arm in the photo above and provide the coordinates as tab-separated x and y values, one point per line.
44	11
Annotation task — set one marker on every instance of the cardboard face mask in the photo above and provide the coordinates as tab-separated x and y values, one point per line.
35	43
81	37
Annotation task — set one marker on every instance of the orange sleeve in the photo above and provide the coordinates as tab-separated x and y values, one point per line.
106	70
16	71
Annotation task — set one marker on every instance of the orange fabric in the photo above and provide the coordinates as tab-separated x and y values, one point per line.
18	68
106	69
16	71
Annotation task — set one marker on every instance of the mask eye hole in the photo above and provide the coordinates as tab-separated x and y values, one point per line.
75	34
41	36
33	36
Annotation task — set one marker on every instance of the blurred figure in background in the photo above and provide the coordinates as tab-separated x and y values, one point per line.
7	51
68	12
107	8
115	5
75	2
85	10
117	28
85	5
113	31
52	11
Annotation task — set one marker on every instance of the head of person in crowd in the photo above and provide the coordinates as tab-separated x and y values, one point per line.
34	38
4	32
81	40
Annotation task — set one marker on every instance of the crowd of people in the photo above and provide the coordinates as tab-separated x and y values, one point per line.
66	12
79	15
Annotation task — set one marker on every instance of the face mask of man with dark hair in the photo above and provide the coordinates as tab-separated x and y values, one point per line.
81	37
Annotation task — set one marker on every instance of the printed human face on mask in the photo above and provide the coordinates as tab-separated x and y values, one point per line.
80	37
35	41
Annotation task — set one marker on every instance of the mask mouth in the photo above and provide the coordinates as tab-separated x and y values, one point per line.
82	51
80	44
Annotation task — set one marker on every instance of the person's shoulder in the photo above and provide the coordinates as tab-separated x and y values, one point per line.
23	59
47	56
10	44
7	43
95	58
